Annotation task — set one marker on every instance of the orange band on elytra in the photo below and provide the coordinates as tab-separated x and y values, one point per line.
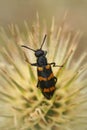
40	78
40	68
49	89
51	76
47	66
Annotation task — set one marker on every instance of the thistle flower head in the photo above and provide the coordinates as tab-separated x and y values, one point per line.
22	105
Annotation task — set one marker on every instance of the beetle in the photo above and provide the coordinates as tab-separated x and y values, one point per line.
46	79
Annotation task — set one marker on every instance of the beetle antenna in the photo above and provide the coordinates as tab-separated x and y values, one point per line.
43	41
28	47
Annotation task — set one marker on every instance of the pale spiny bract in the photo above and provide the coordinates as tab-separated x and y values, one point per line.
22	106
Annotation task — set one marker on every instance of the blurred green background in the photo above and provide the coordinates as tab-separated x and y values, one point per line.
16	11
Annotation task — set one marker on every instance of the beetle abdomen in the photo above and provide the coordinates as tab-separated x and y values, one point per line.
46	81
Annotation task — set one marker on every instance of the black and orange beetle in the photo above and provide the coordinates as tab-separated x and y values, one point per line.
46	78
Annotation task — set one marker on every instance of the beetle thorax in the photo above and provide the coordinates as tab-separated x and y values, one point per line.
42	61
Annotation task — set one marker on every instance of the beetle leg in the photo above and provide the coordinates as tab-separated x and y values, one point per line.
38	84
26	59
54	65
55	79
33	64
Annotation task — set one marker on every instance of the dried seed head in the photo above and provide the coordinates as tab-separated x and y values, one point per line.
22	106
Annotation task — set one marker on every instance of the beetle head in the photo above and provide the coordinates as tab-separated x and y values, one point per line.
38	52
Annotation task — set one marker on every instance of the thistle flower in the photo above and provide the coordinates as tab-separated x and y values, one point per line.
22	106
